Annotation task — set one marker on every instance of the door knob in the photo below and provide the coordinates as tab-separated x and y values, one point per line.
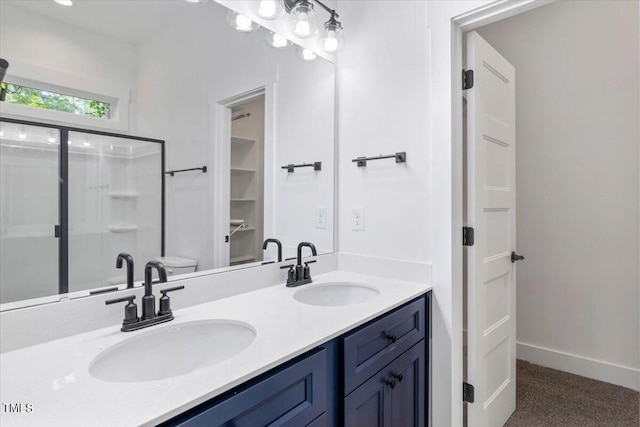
515	257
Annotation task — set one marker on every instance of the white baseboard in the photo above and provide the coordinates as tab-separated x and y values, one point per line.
579	365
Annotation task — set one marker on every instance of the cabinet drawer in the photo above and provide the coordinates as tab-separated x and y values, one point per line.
294	396
369	349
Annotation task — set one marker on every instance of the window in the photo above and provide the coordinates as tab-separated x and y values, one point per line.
48	100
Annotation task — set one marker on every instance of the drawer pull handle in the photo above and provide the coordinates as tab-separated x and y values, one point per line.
399	377
392	339
391	383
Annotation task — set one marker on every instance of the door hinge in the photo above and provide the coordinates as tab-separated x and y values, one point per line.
56	231
468	393
226	239
467	79
468	236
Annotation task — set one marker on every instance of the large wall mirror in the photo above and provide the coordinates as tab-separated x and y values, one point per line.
177	137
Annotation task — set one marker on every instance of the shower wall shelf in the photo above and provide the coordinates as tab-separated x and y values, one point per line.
122	228
400	157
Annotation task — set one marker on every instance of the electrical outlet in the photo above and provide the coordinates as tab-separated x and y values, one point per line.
321	217
357	219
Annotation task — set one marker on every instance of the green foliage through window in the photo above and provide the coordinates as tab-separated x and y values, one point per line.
23	95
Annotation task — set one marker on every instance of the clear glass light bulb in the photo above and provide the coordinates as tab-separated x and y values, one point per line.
51	140
243	23
22	135
303	28
279	40
69	142
267	8
87	144
1	133
305	54
331	42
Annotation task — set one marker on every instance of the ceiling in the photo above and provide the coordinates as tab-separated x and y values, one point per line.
130	21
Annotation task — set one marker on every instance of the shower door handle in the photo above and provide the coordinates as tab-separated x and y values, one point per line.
515	257
56	231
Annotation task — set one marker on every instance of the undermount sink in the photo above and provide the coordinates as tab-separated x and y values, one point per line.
172	351
336	294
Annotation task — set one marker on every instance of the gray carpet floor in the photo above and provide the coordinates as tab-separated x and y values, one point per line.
549	398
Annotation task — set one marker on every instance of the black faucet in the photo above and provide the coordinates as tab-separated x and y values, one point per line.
129	260
149	317
278	243
148	300
300	274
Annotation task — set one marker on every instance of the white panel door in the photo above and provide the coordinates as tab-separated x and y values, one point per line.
491	198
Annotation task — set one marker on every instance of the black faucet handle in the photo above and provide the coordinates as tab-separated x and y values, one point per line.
165	301
176	288
130	310
282	267
310	262
123	299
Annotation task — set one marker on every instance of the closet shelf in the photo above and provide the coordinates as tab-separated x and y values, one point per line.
239	140
122	228
240	230
122	194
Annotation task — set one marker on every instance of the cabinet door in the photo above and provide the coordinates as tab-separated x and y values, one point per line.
408	394
395	396
369	405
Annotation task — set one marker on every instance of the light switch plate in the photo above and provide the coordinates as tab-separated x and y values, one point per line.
357	219
321	217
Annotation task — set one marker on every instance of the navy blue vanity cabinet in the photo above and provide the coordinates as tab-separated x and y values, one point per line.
294	396
385	376
374	375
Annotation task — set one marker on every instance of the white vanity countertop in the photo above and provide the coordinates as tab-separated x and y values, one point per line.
54	377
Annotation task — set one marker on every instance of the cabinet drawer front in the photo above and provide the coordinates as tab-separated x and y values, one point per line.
295	396
368	350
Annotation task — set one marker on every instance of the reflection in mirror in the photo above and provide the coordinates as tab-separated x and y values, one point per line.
253	126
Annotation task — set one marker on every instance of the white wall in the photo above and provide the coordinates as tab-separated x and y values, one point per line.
383	104
43	49
577	67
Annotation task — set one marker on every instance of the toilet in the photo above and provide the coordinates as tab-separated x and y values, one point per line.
177	265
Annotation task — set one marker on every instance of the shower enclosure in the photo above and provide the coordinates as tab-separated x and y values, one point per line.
70	200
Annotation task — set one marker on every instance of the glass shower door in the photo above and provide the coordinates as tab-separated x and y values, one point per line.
115	205
29	211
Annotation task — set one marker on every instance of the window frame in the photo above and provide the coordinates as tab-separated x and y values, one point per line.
64	83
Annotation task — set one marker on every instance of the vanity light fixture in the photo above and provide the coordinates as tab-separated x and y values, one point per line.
332	38
64	2
276	40
302	20
305	54
268	9
241	23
